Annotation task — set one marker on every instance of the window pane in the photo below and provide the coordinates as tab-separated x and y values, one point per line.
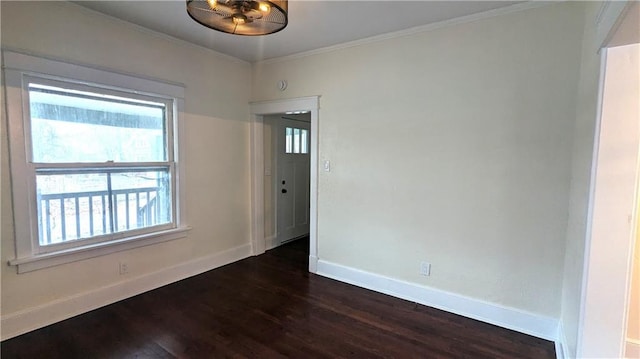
69	201
289	139
296	140
77	126
141	199
84	205
304	136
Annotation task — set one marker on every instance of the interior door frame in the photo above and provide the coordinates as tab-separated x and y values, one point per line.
258	111
601	267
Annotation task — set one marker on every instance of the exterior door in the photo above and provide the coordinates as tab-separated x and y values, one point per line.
292	183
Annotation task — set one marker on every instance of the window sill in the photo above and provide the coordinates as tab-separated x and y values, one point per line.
45	260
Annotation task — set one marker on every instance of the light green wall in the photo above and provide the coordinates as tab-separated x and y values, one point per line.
452	146
216	152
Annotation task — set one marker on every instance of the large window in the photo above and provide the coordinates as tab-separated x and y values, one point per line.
101	161
93	165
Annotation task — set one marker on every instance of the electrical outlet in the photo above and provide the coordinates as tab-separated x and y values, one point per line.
124	268
425	268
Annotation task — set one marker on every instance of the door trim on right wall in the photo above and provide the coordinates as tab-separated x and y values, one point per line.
612	202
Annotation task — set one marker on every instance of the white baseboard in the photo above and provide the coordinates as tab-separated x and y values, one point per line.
313	264
271	242
562	350
510	318
30	319
632	349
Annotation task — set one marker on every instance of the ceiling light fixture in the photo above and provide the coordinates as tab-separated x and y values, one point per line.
240	17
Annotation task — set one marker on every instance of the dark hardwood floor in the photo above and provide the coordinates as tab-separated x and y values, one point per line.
271	307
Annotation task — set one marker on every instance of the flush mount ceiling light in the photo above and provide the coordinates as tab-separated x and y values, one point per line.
240	17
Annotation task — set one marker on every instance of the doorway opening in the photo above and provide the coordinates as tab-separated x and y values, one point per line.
261	240
286	177
609	254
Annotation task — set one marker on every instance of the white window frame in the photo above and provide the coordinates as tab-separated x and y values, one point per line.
19	70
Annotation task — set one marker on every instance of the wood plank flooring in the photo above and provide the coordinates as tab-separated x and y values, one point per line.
270	307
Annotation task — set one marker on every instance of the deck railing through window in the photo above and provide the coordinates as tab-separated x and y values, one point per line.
68	216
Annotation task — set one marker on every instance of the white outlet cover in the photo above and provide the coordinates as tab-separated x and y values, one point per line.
124	268
425	268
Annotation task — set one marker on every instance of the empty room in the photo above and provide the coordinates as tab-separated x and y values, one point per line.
408	179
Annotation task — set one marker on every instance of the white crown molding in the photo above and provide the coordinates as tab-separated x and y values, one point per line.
411	31
29	319
608	19
601	12
511	318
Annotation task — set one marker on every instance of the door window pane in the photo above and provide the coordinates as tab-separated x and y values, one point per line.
304	138
296	140
288	140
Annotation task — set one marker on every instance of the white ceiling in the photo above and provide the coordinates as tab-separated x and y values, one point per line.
312	24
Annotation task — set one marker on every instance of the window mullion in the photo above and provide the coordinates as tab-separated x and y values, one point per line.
110	196
99	165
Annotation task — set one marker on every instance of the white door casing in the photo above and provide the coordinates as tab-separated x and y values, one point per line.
607	255
258	110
